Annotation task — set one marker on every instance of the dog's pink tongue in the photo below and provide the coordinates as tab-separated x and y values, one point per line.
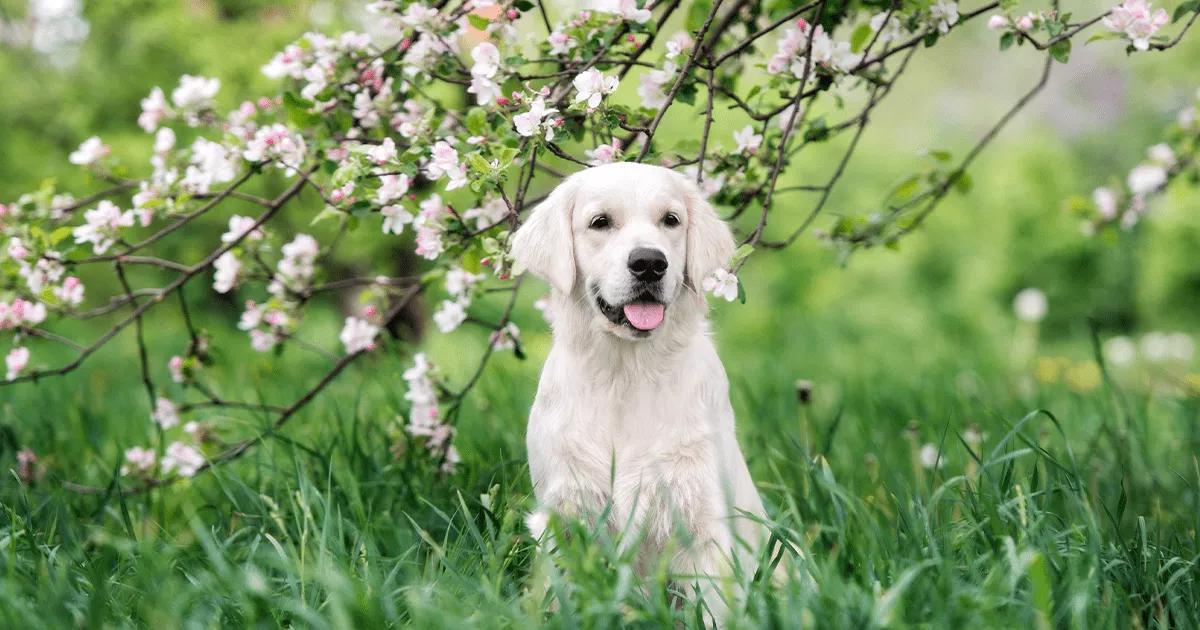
644	316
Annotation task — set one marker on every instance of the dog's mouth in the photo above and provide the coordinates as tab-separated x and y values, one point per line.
643	313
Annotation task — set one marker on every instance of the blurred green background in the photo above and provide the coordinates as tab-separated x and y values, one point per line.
919	342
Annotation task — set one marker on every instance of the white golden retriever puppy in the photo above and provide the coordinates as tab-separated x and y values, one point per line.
632	418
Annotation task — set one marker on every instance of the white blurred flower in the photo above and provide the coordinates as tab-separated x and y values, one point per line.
1146	178
137	459
1182	348
15	361
1120	351
358	334
1162	154
748	142
930	456
91	151
395	218
450	316
722	284
945	14
1106	202
1155	347
165	414
1030	305
182	459
225	272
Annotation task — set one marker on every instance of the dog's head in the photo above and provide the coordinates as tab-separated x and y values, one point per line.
627	238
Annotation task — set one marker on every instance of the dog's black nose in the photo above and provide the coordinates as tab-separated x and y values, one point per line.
647	264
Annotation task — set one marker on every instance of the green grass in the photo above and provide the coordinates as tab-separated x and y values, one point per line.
1084	515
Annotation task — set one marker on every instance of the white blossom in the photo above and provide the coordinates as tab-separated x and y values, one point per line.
91	151
358	335
225	275
1135	20
394	219
592	86
165	414
450	315
15	361
182	459
748	142
722	284
102	226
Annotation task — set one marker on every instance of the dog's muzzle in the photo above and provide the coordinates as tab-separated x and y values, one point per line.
643	314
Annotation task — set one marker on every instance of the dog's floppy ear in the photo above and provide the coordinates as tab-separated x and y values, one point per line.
542	245
709	241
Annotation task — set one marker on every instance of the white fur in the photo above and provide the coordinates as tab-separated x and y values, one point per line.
639	425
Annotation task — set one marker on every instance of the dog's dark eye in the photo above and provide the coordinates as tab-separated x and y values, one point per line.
600	222
671	219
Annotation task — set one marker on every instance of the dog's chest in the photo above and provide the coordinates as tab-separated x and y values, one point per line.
646	457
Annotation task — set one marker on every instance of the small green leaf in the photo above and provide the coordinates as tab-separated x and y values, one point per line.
741	254
59	234
940	155
1061	50
1006	40
963	182
741	292
1184	9
697	13
858	39
476	121
478	21
328	212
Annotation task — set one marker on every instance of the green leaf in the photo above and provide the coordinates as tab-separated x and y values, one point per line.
906	189
1006	40
523	5
1061	50
328	212
697	13
741	254
940	155
858	39
59	234
298	111
741	291
1184	9
478	21
477	122
963	182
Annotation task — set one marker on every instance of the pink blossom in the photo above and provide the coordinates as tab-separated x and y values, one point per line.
137	460
183	459
605	153
560	43
175	367
998	23
16	360
391	188
1135	20
358	335
91	151
383	153
154	110
70	292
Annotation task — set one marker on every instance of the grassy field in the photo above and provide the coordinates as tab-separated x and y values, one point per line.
1077	509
